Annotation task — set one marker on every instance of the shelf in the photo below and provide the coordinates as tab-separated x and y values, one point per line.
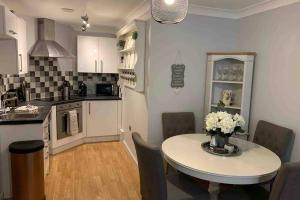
230	107
128	50
228	82
126	69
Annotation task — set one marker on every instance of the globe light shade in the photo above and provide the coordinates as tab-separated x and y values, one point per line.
169	11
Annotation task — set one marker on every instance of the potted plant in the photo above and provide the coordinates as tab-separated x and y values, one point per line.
121	44
135	35
221	125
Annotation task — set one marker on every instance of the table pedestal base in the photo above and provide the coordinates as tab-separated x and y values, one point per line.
213	189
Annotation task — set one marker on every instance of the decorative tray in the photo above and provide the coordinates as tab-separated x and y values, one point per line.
219	151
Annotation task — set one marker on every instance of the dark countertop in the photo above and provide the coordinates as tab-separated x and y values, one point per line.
45	107
58	101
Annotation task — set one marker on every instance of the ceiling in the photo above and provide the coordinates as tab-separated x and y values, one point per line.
226	4
101	12
105	12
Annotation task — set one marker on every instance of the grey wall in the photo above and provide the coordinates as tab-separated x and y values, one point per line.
196	36
275	36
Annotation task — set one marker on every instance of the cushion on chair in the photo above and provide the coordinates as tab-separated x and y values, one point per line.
178	123
285	187
153	182
287	183
152	177
276	138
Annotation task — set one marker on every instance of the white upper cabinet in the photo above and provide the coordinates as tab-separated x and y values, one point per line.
96	54
13	43
87	54
108	55
22	46
8	23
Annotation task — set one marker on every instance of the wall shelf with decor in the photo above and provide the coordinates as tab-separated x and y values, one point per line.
229	81
131	44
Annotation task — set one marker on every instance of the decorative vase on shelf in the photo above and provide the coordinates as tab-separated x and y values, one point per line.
221	126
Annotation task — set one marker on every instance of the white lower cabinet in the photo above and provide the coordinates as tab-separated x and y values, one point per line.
102	118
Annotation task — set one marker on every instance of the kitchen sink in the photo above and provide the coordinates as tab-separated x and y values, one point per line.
12	116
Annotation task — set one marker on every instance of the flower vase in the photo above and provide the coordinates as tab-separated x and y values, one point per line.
219	141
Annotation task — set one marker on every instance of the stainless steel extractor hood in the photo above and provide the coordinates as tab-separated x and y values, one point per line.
46	46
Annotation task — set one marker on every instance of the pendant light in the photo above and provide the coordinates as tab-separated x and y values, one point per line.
169	11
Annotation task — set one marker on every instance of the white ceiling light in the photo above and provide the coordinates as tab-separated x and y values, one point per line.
169	11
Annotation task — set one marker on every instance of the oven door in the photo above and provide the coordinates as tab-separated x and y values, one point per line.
62	124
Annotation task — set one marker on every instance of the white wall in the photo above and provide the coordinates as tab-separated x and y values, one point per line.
275	36
66	36
136	116
194	37
135	105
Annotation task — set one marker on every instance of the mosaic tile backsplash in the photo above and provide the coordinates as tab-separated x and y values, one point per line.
44	79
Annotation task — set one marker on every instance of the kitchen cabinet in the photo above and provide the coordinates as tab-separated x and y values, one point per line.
87	54
22	46
8	23
102	118
13	43
108	55
97	54
233	72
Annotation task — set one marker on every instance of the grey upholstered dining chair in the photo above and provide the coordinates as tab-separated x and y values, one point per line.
177	123
154	184
286	187
278	139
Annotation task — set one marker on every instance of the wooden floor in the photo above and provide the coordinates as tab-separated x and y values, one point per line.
99	171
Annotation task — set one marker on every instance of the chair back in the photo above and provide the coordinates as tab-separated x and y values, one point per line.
178	123
152	177
278	139
287	183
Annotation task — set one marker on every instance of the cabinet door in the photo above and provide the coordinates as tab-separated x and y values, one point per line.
102	118
108	55
10	23
22	46
87	54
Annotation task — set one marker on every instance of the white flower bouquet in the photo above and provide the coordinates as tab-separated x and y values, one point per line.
224	124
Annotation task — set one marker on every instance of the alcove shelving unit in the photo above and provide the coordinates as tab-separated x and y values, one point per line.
229	71
132	56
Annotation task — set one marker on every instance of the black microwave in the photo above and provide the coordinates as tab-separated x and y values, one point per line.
107	89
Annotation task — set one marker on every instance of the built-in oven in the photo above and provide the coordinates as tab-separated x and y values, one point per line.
62	118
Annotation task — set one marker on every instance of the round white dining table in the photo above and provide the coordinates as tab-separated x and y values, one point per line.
254	164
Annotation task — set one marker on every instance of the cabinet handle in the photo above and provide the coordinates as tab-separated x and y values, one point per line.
95	65
89	108
21	60
101	66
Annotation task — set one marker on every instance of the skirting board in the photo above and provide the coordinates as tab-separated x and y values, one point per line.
129	151
85	141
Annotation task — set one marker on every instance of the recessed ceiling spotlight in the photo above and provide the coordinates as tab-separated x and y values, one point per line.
67	10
